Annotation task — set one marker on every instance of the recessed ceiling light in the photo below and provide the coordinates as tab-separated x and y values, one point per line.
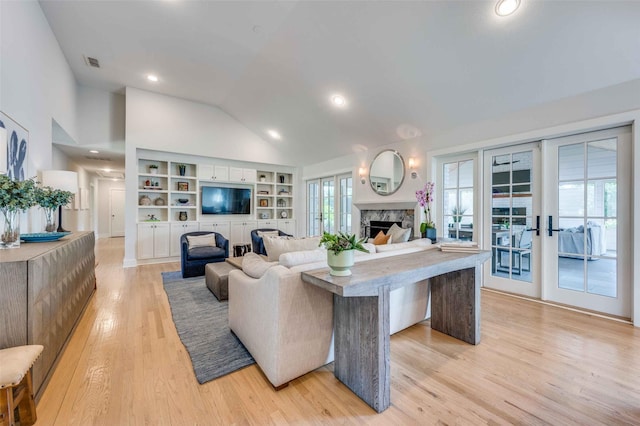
338	100
152	77
107	170
506	7
274	134
93	151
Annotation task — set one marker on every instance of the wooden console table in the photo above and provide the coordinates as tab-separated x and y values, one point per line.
44	288
361	311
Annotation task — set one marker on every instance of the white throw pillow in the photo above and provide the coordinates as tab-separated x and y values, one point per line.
264	234
399	235
255	266
295	258
201	240
275	246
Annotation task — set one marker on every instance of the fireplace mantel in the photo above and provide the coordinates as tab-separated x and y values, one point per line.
394	205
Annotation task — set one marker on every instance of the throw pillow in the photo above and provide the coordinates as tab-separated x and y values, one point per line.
399	235
201	240
255	266
275	246
381	239
268	234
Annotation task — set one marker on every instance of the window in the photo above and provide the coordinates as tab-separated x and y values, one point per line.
458	199
329	202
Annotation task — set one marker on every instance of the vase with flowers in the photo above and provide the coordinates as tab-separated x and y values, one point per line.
16	196
50	200
425	198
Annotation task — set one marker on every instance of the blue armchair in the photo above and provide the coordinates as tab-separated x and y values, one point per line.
193	260
257	245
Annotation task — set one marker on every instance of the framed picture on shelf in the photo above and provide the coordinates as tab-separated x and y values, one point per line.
183	186
264	203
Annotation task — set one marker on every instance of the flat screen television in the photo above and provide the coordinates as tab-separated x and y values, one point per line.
223	200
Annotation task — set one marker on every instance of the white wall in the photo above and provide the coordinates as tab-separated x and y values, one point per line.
36	83
173	125
101	118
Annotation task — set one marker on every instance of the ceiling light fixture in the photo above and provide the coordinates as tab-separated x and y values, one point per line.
153	78
338	100
274	134
507	7
93	151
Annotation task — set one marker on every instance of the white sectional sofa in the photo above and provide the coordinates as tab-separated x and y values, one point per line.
287	324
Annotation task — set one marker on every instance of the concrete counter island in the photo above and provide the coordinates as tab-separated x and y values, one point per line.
361	311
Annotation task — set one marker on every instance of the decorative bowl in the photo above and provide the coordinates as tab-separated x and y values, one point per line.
183	200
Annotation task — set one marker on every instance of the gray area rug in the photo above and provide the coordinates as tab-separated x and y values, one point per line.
203	326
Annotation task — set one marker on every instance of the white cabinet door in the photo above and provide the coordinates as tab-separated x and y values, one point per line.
153	240
161	240
221	228
241	232
211	172
206	172
221	173
237	174
267	224
177	229
145	240
287	226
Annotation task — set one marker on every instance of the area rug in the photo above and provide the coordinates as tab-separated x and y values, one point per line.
203	326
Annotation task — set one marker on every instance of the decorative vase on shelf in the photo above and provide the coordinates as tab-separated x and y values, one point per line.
182	169
11	231
340	263
182	216
50	219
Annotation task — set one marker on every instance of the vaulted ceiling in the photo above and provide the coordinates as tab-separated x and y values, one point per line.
406	68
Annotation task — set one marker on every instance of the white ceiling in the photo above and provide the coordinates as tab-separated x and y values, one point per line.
432	66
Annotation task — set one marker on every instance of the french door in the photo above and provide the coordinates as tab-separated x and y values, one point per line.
512	218
588	225
329	201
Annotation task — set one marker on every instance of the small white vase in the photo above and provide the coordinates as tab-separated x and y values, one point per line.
340	263
10	237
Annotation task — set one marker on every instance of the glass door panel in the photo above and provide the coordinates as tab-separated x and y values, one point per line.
512	219
588	172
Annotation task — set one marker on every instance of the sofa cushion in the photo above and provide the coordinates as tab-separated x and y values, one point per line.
399	235
204	252
268	233
255	266
381	239
275	246
370	247
295	258
201	240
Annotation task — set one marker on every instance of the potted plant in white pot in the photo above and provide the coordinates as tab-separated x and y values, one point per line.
340	249
50	200
153	169
16	196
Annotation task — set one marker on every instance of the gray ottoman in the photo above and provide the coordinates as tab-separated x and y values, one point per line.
217	278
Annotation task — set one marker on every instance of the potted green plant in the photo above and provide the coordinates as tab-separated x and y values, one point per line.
340	248
16	196
425	198
153	169
50	200
457	213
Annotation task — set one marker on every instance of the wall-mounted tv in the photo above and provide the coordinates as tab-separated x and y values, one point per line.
224	200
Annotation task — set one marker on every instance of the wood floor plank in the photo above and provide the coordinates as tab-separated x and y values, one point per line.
536	364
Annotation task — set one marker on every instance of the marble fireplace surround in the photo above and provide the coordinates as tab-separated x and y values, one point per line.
404	215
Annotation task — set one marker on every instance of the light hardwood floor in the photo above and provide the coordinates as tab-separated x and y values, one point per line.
536	364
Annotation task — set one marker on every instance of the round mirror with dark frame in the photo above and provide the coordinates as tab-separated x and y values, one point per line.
386	173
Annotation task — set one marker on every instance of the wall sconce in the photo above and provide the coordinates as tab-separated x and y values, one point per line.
412	167
362	172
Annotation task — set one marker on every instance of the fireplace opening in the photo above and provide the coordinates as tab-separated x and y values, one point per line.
375	226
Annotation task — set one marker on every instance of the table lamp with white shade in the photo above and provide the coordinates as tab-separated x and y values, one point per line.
60	179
